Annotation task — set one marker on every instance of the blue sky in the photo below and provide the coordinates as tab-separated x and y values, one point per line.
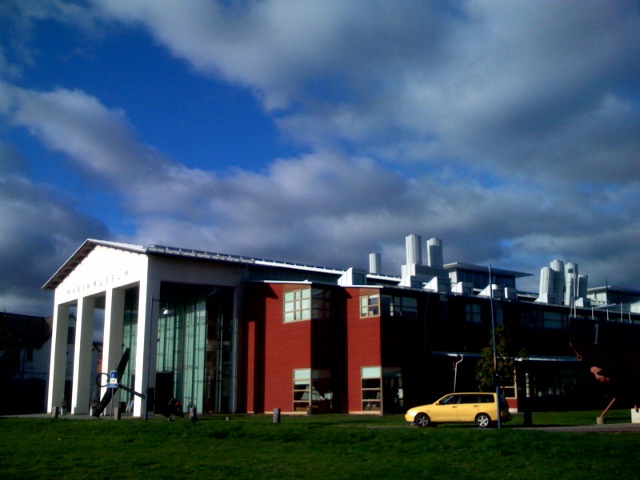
320	131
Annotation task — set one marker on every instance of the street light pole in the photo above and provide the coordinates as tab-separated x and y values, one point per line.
496	378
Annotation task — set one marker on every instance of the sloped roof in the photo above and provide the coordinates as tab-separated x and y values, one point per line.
160	250
80	254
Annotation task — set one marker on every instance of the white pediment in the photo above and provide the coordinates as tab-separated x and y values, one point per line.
103	268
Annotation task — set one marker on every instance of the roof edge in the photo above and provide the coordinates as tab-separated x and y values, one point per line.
80	253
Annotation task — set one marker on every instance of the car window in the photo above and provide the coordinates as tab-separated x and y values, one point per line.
486	398
469	399
450	400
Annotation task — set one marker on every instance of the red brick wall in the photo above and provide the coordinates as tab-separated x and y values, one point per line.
363	345
275	348
287	346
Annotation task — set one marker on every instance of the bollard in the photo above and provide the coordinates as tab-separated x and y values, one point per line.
528	421
116	413
276	415
55	411
193	414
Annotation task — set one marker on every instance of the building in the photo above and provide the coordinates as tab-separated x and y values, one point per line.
24	362
225	333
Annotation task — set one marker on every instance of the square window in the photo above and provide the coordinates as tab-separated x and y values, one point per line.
370	305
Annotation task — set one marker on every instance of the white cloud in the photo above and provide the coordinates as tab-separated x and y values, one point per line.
510	131
329	206
100	140
522	87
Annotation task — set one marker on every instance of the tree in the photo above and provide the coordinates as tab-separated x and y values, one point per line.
506	361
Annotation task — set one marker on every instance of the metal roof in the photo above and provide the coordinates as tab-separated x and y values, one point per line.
80	254
160	250
485	269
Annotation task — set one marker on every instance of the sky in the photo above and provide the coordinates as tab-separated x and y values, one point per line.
320	131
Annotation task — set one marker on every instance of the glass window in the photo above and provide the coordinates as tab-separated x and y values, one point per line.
473	313
372	389
450	400
529	318
396	306
297	305
554	320
301	389
320	304
370	305
307	303
71	335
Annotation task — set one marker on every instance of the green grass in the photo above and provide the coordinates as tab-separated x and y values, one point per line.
313	447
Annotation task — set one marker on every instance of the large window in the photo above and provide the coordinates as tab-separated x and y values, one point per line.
320	303
372	389
473	313
554	320
297	305
306	303
311	390
370	305
397	306
529	318
301	389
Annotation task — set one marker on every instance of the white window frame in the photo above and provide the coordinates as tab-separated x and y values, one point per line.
297	305
370	305
371	396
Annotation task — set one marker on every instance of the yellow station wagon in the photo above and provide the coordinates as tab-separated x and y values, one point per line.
467	407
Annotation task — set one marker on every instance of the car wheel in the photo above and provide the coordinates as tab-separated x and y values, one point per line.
483	420
422	420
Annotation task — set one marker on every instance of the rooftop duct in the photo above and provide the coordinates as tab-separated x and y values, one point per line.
374	263
414	249
434	253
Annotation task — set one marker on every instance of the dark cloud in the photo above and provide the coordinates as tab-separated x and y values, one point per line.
38	234
509	130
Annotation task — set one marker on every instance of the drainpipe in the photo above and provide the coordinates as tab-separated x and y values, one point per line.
455	371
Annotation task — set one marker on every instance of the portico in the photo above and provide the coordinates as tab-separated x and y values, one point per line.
137	289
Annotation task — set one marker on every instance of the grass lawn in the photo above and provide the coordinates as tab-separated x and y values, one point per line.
313	447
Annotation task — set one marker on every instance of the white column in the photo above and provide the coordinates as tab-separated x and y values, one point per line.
58	363
82	356
147	343
113	333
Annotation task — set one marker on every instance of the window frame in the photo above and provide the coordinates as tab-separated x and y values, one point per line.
308	303
296	305
370	393
368	308
473	313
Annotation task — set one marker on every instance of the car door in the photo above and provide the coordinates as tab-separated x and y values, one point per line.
445	409
468	408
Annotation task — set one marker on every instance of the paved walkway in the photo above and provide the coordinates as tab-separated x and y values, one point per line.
107	416
607	427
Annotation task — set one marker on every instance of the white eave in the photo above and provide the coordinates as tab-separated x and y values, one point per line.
80	254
